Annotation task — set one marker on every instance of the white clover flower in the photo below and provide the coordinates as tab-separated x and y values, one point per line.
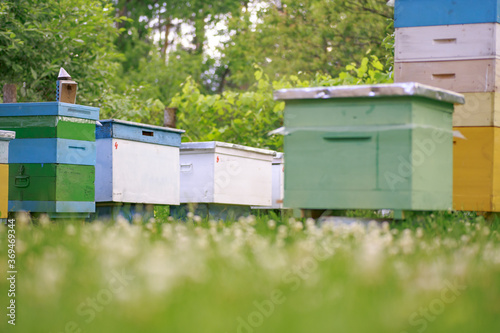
297	226
44	220
419	232
190	215
271	224
70	230
197	219
23	219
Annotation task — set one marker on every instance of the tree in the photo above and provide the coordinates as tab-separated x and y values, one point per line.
307	36
39	36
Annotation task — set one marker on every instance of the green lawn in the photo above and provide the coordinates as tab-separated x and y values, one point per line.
435	273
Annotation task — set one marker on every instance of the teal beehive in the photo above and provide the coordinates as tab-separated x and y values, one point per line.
369	147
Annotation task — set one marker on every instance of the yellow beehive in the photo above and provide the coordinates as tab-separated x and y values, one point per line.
476	161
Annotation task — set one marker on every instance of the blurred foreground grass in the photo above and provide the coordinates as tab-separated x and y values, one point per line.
436	273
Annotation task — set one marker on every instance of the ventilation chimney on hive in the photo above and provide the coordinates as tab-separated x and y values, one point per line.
66	88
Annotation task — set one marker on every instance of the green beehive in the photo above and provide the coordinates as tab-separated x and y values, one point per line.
369	147
49	120
51	187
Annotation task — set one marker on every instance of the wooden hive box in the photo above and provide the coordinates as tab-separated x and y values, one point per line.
368	147
469	76
223	173
137	164
480	109
52	159
56	189
49	120
447	42
476	161
5	138
414	13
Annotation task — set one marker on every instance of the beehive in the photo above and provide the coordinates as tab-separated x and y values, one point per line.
476	180
137	164
455	46
5	138
223	173
52	159
412	13
368	147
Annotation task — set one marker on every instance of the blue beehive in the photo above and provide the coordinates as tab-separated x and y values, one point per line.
416	13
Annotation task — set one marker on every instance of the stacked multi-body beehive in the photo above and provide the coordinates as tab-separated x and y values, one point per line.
52	159
456	45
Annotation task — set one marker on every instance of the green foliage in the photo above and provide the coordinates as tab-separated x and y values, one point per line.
291	37
247	117
37	37
237	117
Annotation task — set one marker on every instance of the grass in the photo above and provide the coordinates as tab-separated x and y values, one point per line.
436	272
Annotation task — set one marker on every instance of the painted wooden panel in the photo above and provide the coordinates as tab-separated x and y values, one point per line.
140	172
223	173
58	207
48	109
278	185
480	109
368	153
476	165
448	42
197	176
51	182
128	130
242	180
50	127
4	190
52	151
460	75
413	13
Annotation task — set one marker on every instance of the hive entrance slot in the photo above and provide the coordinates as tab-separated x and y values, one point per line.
147	133
444	76
445	41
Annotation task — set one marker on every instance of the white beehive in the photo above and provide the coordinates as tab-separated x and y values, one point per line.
278	186
137	163
224	173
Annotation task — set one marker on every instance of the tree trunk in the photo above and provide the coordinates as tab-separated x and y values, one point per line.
170	118
166	44
9	93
